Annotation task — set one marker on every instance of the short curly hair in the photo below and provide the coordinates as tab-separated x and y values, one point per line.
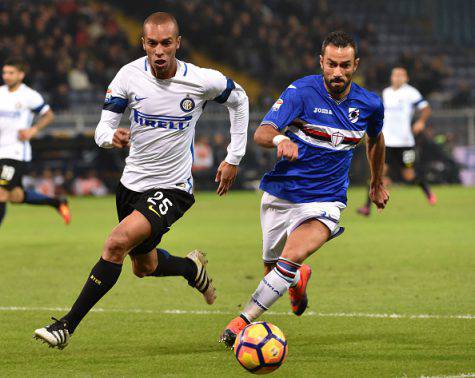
339	39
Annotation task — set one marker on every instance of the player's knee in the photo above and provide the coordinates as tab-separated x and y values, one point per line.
296	255
3	196
408	175
116	246
16	197
143	270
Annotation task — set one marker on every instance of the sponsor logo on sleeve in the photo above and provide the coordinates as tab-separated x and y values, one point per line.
108	94
277	104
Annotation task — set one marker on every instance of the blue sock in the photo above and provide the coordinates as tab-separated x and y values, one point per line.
35	198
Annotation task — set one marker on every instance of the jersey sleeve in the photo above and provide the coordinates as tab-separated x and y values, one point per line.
417	100
217	87
37	104
116	96
288	107
375	121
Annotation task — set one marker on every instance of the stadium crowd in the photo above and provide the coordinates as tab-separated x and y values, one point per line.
72	48
80	45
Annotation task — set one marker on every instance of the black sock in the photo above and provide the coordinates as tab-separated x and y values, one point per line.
169	265
103	276
3	210
425	187
34	198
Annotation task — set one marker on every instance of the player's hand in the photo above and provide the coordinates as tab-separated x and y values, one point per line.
379	195
287	150
225	175
121	138
27	134
418	127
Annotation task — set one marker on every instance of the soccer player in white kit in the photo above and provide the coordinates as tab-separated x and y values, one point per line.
166	97
401	101
18	106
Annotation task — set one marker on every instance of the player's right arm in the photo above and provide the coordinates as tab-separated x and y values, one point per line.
375	152
287	108
108	134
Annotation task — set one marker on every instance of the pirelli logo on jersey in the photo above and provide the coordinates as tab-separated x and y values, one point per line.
162	121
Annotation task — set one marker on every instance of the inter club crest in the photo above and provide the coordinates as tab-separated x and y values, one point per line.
187	104
337	138
353	114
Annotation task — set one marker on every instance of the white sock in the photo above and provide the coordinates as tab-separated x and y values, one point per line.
271	288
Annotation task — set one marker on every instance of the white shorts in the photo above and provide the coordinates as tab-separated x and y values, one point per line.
280	217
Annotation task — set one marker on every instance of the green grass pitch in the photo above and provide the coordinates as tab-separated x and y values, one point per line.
412	259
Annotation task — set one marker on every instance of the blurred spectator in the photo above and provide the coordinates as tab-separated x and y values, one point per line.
45	184
203	155
89	185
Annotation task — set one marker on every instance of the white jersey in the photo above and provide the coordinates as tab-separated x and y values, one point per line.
399	106
163	118
17	110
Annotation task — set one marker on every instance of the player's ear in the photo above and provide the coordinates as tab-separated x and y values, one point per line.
178	42
321	62
357	62
143	42
22	75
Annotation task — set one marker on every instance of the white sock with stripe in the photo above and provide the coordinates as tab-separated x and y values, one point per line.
271	288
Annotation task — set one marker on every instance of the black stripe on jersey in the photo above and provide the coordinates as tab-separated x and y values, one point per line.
223	97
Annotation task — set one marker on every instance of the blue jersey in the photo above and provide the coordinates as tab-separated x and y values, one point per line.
326	132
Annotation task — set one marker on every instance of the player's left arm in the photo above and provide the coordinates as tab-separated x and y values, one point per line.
375	152
45	117
225	91
424	112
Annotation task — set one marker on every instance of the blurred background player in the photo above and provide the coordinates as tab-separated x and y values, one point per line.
166	97
18	106
323	117
401	101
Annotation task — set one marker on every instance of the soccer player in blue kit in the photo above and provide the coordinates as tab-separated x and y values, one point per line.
323	118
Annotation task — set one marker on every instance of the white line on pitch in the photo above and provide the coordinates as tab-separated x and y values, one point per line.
218	312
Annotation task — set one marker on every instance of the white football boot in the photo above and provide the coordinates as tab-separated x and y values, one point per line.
56	335
202	281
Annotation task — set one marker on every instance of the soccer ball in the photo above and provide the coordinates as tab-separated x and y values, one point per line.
260	348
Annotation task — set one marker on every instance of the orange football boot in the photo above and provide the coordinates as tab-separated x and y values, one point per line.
64	211
232	330
298	293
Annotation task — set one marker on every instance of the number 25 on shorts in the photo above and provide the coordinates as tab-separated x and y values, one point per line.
163	203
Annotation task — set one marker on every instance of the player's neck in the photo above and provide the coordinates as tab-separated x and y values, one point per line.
13	88
338	96
171	72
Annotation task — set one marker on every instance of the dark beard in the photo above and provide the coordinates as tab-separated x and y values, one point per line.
336	91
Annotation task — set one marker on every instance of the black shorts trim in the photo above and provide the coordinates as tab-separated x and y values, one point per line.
161	207
11	173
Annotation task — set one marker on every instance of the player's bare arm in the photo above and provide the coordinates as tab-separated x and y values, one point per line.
44	120
420	123
375	153
267	136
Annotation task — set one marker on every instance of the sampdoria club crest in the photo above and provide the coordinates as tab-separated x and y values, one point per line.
353	114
